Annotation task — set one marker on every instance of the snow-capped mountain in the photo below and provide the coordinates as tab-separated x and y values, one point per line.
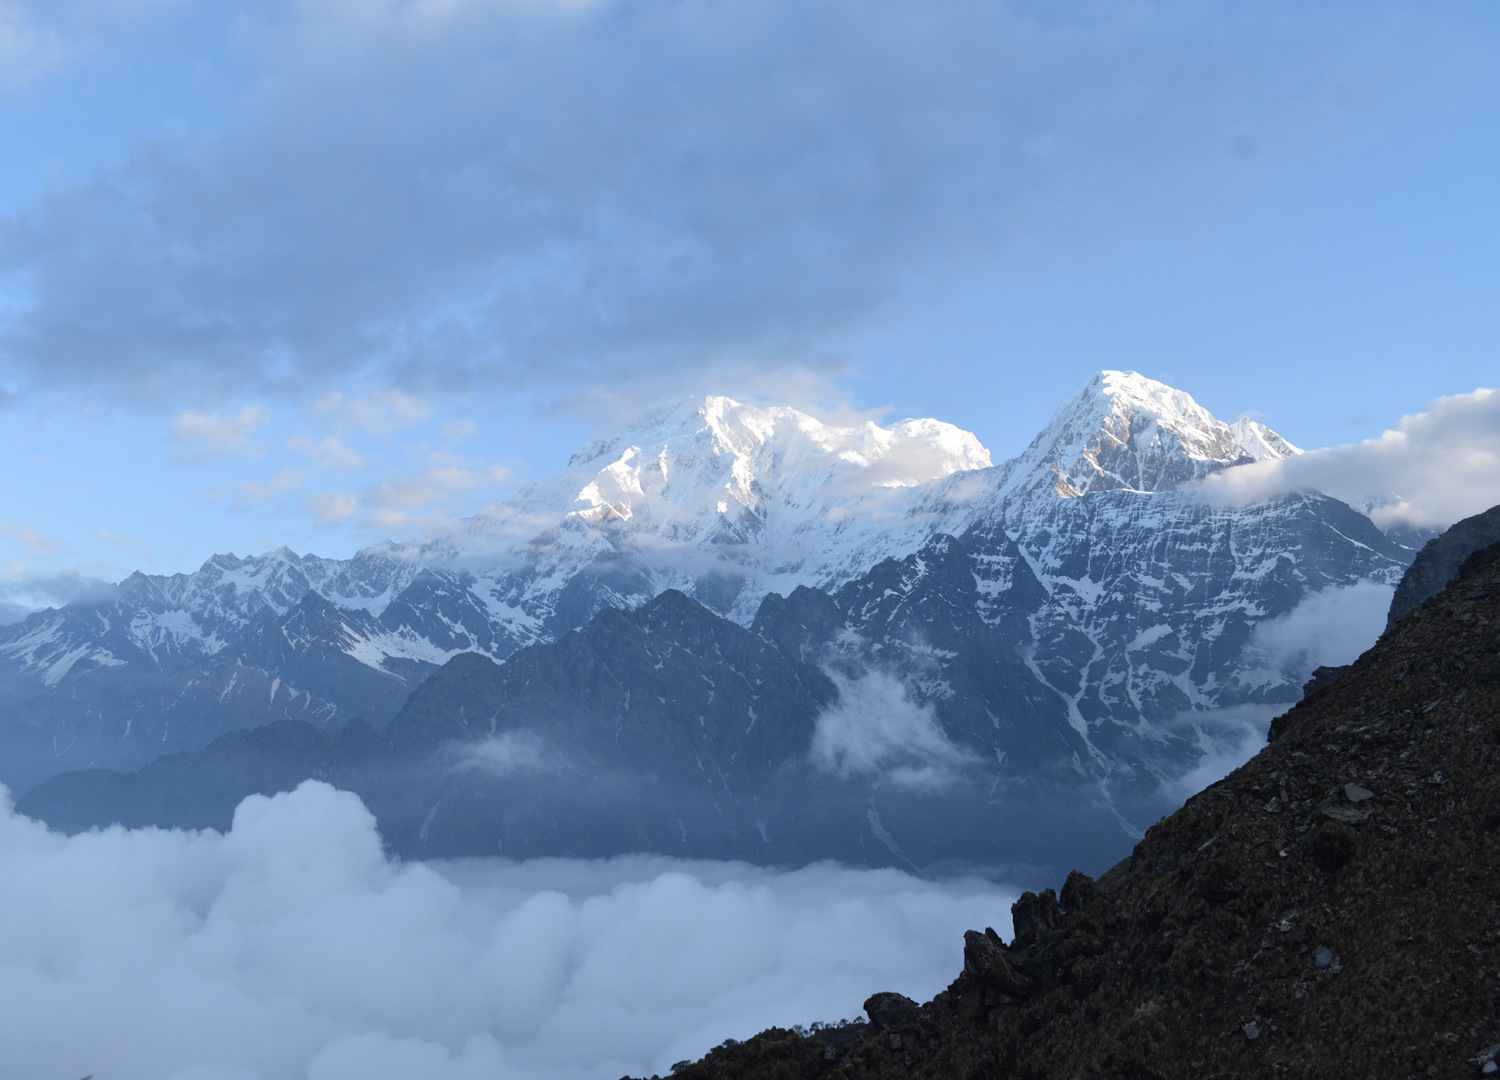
726	502
723	500
1125	432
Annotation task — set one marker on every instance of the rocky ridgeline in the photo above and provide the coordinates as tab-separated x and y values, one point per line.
1330	909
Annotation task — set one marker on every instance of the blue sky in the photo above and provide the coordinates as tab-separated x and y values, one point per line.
314	271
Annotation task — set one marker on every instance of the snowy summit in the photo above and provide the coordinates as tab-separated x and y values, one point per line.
1126	432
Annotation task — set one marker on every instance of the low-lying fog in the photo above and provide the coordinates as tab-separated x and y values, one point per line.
292	947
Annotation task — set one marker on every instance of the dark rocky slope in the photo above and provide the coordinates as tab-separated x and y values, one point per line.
1330	909
1440	559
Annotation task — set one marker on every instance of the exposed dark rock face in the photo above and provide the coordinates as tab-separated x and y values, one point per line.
666	729
1322	678
1330	909
1439	560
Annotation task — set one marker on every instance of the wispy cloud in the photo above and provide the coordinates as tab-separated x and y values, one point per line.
401	501
329	452
506	754
201	435
1330	627
381	413
31	539
585	223
876	730
23	590
257	494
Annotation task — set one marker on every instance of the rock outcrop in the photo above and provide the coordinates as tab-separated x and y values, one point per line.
1440	559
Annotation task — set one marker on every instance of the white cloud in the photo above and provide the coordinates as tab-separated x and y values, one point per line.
292	949
400	502
875	729
23	591
329	452
200	435
1433	468
383	412
1330	627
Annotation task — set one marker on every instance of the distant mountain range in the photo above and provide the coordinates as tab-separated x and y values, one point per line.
692	614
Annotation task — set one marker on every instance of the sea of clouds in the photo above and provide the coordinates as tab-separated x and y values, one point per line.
291	946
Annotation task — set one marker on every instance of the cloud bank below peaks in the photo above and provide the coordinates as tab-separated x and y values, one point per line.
290	947
1433	468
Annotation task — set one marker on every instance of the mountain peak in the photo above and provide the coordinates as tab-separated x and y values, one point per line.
1131	394
717	457
1128	432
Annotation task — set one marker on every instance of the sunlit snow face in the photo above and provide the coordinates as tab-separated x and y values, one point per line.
291	947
